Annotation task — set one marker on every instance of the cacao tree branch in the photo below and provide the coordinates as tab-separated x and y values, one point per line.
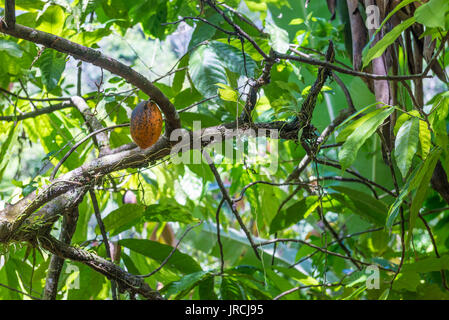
90	173
125	280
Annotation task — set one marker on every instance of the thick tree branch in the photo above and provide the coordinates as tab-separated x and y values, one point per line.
125	280
12	217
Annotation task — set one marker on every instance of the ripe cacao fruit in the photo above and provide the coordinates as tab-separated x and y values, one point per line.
146	124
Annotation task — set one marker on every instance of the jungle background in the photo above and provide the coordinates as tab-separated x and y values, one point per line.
357	208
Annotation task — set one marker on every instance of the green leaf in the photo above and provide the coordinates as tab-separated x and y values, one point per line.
206	70
278	37
52	65
5	149
346	132
407	280
424	139
357	138
89	38
122	219
184	285
231	290
206	289
227	93
52	20
401	5
364	204
432	14
421	191
426	265
11	48
406	145
403	118
159	252
414	181
379	48
293	214
164	212
204	31
233	59
178	80
27	5
187	119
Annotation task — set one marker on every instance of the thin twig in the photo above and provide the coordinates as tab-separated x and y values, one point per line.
269	242
171	253
18	291
104	236
231	204
220	245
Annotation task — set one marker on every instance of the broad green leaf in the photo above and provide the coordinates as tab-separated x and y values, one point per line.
206	289
88	38
363	204
206	70
403	118
52	20
26	5
424	139
11	48
287	217
234	59
354	115
421	190
429	264
8	276
9	65
231	289
227	93
432	14
401	5
379	48
278	37
187	119
159	252
407	280
204	31
122	219
413	182
6	147
52	65
165	211
346	132
406	145
178	80
357	138
184	285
